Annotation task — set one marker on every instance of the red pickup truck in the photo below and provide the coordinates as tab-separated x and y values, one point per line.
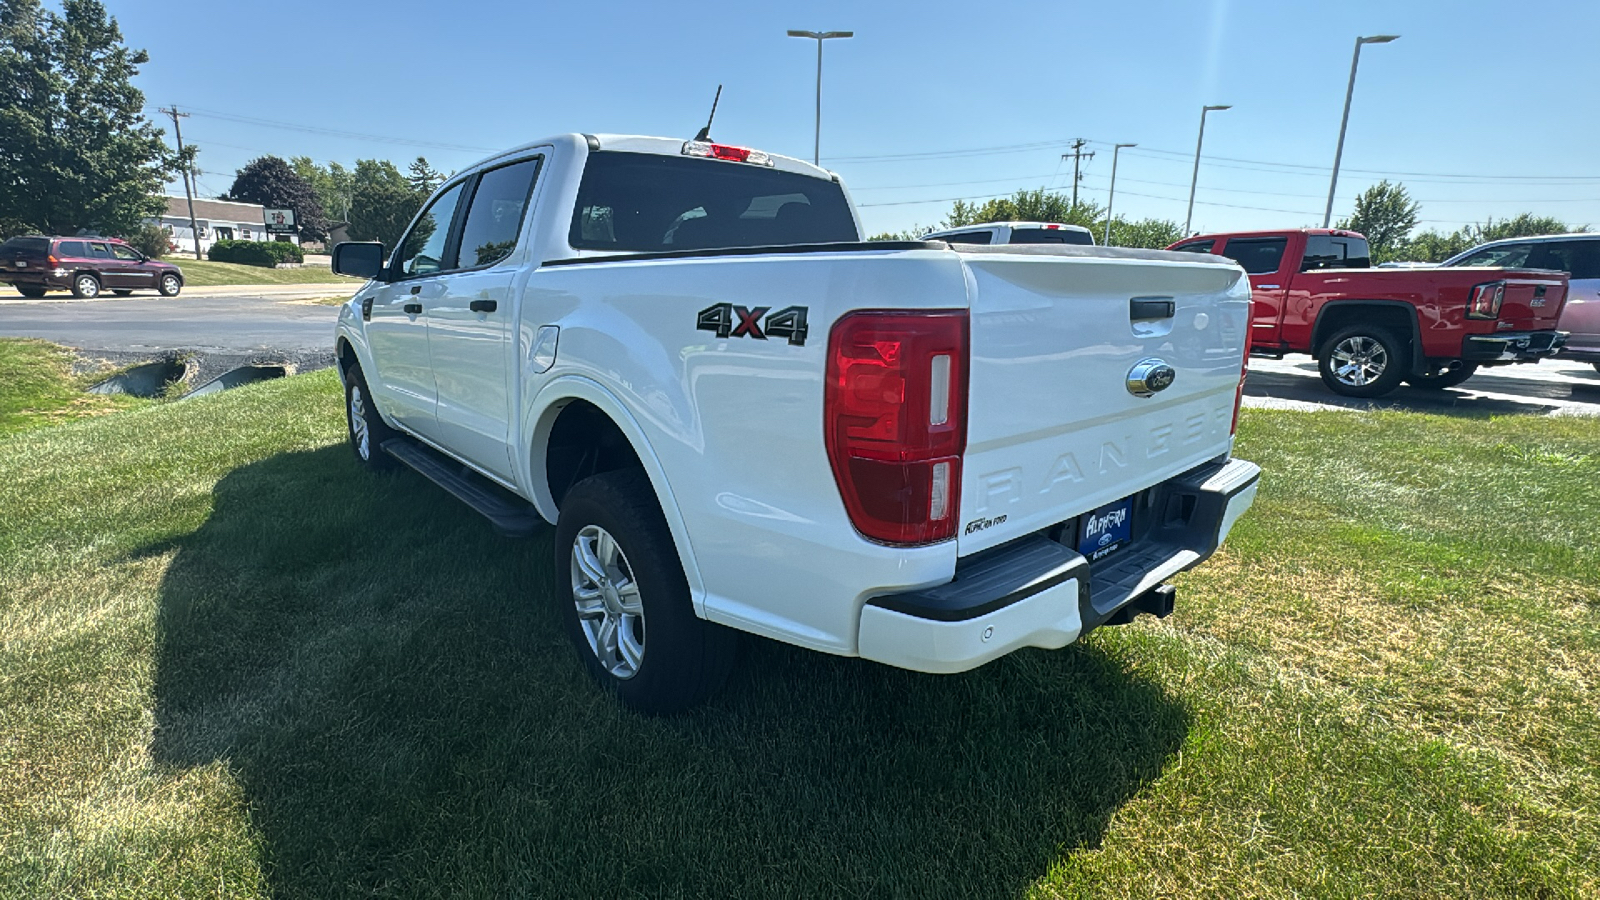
1315	292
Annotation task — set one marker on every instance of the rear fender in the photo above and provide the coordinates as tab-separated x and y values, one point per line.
1339	313
540	418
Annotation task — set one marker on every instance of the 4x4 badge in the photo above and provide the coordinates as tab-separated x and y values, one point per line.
789	322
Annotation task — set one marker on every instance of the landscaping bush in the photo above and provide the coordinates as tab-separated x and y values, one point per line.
266	254
151	240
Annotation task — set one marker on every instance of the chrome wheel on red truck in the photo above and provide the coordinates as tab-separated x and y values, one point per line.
1362	361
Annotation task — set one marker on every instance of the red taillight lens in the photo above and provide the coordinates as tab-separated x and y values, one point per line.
895	418
1244	372
51	259
1486	300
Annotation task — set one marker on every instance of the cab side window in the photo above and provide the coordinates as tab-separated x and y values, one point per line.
1195	247
1507	256
422	250
1259	256
122	251
99	250
494	219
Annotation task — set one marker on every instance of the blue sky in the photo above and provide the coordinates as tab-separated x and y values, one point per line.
1480	109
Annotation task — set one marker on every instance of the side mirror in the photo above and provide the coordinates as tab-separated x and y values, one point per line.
361	259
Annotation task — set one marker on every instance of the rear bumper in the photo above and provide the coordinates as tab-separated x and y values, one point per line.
36	278
1512	346
1039	592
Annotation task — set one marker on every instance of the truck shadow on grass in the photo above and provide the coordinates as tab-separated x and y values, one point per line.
387	681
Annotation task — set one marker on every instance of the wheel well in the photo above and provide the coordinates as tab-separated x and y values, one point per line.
345	356
584	442
1397	317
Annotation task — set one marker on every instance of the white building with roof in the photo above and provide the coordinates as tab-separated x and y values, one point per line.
218	220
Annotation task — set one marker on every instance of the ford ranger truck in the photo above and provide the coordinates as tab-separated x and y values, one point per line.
739	417
1315	292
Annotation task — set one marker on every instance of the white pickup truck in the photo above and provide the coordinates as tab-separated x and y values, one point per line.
740	417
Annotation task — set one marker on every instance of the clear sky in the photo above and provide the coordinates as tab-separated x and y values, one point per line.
1482	108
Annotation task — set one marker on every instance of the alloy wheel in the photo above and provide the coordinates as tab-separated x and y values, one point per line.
610	609
359	432
1359	360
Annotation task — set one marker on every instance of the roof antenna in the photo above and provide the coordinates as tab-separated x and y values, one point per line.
705	133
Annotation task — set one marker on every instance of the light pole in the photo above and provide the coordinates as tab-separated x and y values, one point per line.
1349	91
1111	198
1195	178
819	37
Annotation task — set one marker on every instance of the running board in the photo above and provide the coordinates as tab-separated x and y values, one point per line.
509	514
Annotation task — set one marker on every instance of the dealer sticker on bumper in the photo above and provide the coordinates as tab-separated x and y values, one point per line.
1104	531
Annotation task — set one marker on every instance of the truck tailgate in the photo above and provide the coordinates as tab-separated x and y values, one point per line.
1053	429
1533	300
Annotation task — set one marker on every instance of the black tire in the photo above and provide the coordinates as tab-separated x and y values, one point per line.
1363	361
1446	379
85	286
121	292
683	659
29	290
169	285
365	427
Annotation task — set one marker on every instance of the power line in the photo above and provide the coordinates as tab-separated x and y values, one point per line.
334	132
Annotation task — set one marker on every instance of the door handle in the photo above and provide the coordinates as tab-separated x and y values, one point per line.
1151	308
416	289
413	309
484	306
1267	287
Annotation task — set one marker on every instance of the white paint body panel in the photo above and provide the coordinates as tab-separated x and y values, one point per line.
730	430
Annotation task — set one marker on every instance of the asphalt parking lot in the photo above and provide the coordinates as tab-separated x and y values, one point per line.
283	320
1552	387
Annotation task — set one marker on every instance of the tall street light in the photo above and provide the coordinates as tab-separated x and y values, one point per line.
1327	215
819	37
1111	199
1195	178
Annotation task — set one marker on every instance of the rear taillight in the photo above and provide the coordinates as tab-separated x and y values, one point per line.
1244	371
1485	300
51	259
895	418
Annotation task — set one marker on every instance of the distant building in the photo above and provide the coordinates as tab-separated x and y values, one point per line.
219	220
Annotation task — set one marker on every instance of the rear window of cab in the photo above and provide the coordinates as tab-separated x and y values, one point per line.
647	202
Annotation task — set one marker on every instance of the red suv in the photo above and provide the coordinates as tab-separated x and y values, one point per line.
83	265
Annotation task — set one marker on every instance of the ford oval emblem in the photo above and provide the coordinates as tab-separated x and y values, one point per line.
1150	376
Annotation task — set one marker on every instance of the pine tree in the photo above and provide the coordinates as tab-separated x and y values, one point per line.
76	151
423	177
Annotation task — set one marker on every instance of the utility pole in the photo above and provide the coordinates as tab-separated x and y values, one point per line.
1076	155
187	193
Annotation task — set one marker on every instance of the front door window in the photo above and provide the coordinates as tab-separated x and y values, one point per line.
422	252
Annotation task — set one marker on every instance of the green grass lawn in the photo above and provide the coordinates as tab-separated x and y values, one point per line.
205	273
38	388
231	664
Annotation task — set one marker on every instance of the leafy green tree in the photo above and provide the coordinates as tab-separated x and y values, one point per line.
1386	214
1037	205
1523	225
76	152
425	179
1435	246
1148	234
270	182
332	183
382	202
